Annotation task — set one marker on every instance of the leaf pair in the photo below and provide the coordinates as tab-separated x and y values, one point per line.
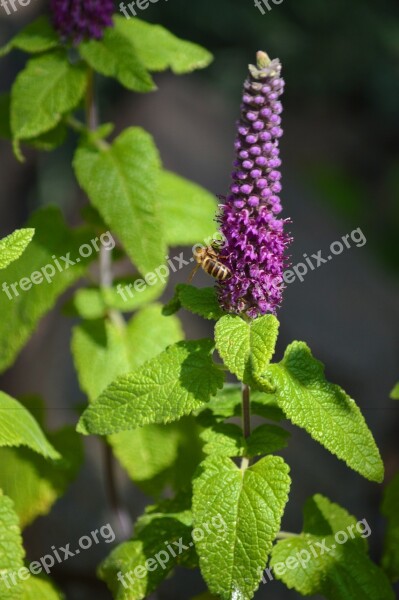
301	390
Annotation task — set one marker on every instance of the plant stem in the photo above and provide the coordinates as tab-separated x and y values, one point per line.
91	106
246	411
283	535
106	280
246	420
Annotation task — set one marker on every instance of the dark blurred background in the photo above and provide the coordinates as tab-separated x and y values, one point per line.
340	172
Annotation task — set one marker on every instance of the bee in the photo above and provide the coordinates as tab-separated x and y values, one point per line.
208	259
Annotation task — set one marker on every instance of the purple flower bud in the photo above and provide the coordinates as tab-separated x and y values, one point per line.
77	20
255	240
255	151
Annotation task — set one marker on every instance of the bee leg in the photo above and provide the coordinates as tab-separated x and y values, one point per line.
193	272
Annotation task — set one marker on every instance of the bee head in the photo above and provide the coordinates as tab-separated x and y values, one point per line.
199	253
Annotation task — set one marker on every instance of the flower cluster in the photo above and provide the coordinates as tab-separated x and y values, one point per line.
77	20
254	238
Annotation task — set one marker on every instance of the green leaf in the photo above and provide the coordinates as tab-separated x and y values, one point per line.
50	140
12	556
11	550
126	295
47	89
13	246
246	348
35	588
156	456
228	401
121	181
19	428
389	508
395	392
266	439
173	384
153	455
115	56
324	410
182	202
33	483
251	503
158	49
36	37
102	351
22	310
226	439
319	562
200	301
149	554
46	141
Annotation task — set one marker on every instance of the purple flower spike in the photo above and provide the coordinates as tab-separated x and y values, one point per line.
255	241
77	20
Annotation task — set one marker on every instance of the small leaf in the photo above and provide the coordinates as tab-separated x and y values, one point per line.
135	568
12	246
395	392
32	284
35	588
121	182
182	202
36	37
318	561
228	401
19	428
266	439
43	482
200	301
46	141
251	504
176	382
11	550
158	49
246	348
226	439
47	89
50	140
324	410
126	295
115	56
389	508
12	556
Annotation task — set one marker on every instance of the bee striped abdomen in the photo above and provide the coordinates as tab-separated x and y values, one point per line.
215	268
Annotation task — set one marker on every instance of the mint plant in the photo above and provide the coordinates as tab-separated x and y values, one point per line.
162	403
